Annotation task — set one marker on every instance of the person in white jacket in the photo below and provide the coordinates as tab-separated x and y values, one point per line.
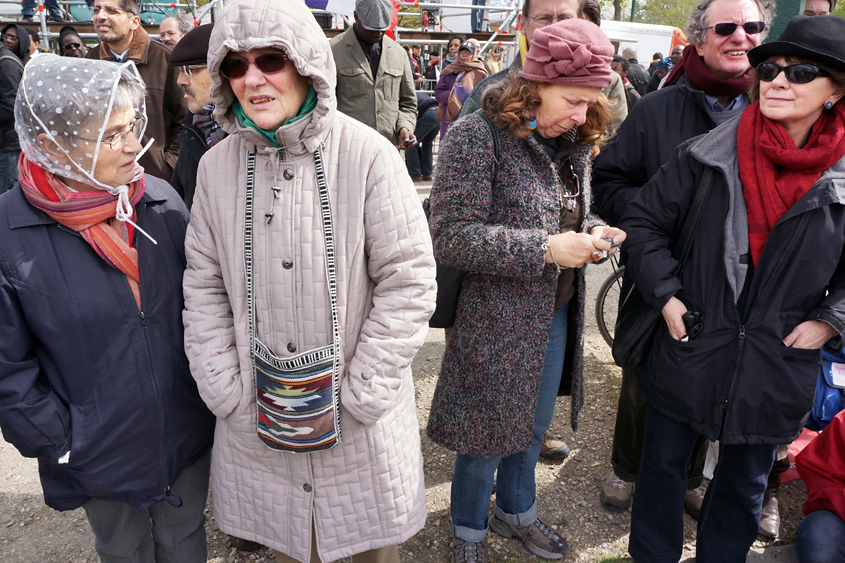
309	286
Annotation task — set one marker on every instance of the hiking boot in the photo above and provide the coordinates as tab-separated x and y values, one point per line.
468	552
553	448
616	494
770	516
539	538
27	19
56	19
694	498
427	178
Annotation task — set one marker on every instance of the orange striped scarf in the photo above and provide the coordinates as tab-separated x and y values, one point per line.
91	214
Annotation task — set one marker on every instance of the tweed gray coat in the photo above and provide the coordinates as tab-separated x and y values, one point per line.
493	229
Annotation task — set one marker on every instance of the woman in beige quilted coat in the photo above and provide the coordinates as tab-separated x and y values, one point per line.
318	462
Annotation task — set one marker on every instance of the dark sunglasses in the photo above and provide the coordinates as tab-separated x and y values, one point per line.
727	28
72	46
799	74
270	63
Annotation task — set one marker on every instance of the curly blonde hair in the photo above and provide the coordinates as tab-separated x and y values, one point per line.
511	103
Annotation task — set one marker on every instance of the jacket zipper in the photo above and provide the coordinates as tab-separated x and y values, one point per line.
162	429
162	423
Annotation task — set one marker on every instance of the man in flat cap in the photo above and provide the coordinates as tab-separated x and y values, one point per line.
201	131
375	84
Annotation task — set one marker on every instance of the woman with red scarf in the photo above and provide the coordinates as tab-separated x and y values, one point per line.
762	291
94	380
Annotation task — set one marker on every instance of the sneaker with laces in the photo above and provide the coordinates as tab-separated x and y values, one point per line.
537	537
616	494
468	551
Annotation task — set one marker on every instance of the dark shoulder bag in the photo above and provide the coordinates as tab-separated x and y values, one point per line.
450	278
637	321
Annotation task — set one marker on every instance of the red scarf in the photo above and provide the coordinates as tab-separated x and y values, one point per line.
775	174
91	214
705	79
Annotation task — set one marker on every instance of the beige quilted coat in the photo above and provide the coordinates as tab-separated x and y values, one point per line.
368	491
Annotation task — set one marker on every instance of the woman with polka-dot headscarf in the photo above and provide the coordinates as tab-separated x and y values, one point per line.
94	381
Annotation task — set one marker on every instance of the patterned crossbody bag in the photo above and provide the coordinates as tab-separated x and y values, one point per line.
297	397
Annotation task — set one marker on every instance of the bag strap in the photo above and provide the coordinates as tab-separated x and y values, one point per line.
685	238
492	129
13	58
328	240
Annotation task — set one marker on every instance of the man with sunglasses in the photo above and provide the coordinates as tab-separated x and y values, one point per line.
707	87
71	44
201	131
375	84
123	39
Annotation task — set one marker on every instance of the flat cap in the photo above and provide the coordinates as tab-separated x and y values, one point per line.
192	49
374	15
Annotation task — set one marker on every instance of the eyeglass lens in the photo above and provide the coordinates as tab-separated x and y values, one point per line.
799	74
9	37
727	28
270	63
72	46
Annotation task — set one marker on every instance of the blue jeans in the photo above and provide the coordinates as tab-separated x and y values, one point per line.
820	538
28	7
730	514
8	169
516	491
419	159
477	15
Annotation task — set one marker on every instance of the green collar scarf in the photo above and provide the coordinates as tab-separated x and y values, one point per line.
309	104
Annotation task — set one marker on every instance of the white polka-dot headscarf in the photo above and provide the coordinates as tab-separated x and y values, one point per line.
72	100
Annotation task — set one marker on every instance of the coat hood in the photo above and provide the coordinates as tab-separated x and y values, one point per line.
289	26
23	36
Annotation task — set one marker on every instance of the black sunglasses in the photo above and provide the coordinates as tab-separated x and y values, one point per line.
727	28
72	46
270	63
799	74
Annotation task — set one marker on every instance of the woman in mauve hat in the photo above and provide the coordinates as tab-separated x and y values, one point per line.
517	220
762	291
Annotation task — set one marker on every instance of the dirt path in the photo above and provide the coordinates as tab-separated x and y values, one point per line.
567	492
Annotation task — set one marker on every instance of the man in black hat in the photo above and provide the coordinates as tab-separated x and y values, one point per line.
201	130
416	53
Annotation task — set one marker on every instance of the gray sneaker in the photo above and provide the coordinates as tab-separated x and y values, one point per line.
695	498
468	552
538	538
616	494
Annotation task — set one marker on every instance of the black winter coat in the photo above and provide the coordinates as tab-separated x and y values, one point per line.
192	146
638	76
82	371
647	138
737	381
11	71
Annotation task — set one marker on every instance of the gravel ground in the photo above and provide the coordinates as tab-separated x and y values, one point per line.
567	491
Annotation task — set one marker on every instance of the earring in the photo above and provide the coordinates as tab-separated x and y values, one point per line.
533	123
828	105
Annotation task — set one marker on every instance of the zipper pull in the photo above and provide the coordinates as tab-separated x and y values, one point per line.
143	318
742	331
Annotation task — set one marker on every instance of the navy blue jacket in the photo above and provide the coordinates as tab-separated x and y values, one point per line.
83	370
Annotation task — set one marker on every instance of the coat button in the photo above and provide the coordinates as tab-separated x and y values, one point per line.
366	374
287	264
288	174
209	367
307	488
291	347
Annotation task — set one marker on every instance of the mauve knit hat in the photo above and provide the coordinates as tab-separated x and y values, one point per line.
572	52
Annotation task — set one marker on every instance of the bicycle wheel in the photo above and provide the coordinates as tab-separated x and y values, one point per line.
607	304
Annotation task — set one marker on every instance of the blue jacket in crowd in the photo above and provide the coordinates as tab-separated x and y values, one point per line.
82	370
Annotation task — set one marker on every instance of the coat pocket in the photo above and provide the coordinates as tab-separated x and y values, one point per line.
391	83
354	83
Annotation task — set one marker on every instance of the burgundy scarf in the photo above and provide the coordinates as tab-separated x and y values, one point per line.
775	174
702	77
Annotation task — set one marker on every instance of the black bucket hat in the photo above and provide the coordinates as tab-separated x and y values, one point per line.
817	38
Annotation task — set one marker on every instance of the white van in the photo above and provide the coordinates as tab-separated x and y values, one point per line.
647	38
